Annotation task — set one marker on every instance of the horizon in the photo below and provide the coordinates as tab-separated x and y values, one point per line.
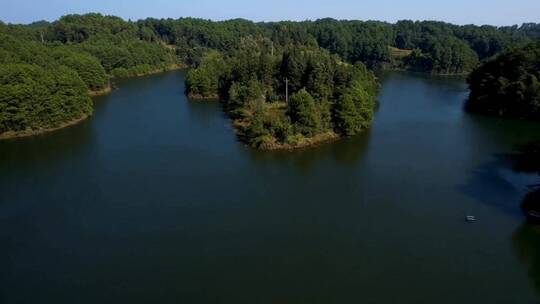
270	21
520	12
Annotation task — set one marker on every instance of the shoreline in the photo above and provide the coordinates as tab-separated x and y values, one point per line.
198	97
406	70
31	132
307	143
172	67
109	89
303	144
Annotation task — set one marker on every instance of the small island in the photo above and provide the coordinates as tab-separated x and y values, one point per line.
287	98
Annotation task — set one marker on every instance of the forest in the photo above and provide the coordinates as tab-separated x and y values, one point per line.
508	85
49	70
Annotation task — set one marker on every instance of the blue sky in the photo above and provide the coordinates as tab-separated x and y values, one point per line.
496	12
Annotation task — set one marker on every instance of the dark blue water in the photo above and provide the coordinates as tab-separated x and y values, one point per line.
153	200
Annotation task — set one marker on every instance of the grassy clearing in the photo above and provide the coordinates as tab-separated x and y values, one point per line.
399	53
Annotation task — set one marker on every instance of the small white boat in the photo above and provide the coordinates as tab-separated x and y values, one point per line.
470	218
534	214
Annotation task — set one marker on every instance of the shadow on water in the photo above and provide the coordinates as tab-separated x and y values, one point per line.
31	153
445	82
204	112
526	241
503	181
499	185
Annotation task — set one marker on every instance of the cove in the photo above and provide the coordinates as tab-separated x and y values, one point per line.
153	199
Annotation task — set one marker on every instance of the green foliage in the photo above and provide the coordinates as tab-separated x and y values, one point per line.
445	48
348	121
243	62
16	50
355	40
508	85
253	86
128	54
33	98
445	55
354	109
55	65
289	34
267	128
87	66
303	113
80	28
293	67
117	44
187	33
203	82
241	94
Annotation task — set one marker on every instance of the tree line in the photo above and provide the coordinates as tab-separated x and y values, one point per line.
91	49
434	47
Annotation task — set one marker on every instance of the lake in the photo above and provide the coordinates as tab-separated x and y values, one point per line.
154	200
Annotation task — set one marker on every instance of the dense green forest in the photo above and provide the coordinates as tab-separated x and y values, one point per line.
47	71
91	49
508	85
